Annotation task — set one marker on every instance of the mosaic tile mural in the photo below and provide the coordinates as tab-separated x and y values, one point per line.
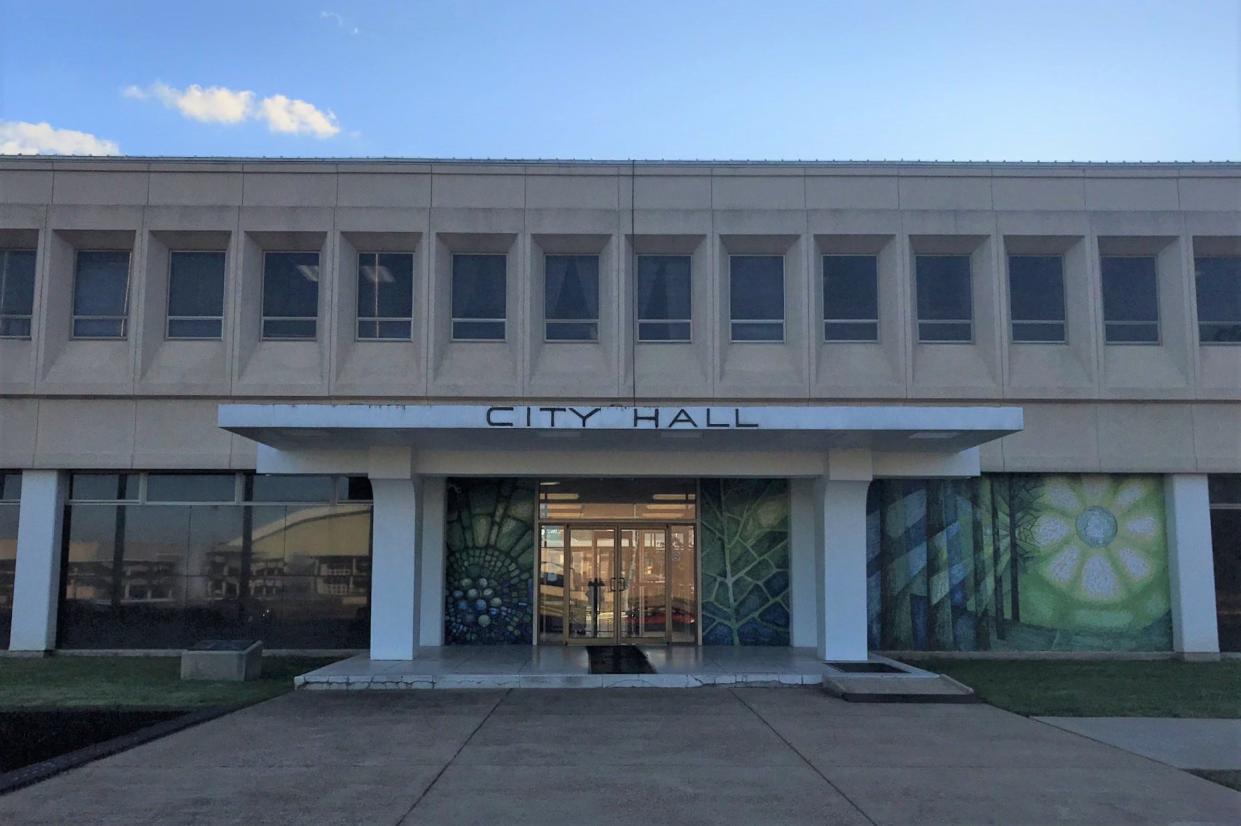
1020	563
489	561
744	558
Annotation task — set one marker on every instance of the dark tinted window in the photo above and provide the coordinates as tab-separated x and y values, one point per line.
264	488
385	294
353	489
945	302
756	297
10	487
191	487
478	296
290	294
1219	299
16	292
103	486
195	294
571	297
1036	297
100	294
664	290
1130	300
1225	489
850	298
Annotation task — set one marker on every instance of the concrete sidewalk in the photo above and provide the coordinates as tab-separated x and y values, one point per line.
1184	743
653	756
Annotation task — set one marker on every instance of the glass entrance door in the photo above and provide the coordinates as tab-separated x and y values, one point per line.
592	583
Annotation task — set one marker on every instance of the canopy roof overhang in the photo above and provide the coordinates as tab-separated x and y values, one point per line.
590	426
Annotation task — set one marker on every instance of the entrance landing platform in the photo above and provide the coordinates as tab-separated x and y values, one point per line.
569	667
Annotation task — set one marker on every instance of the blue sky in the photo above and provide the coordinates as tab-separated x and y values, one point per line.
996	80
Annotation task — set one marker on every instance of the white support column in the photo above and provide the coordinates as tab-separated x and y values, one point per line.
394	564
1191	566
841	565
36	583
431	609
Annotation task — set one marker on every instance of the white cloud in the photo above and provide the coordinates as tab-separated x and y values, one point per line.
340	21
219	104
297	117
22	138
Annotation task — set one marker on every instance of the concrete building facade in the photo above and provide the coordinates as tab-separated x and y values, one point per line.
393	404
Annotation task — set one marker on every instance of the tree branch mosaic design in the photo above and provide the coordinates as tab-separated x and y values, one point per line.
489	561
1018	562
744	551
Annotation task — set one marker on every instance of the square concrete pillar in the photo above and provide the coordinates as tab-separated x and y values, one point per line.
36	583
1191	566
394	569
841	568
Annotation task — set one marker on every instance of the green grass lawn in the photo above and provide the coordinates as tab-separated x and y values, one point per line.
1102	688
135	682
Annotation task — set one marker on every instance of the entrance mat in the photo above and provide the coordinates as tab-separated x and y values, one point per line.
866	668
618	659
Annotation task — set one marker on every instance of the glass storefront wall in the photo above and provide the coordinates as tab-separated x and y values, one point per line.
162	560
10	498
1226	545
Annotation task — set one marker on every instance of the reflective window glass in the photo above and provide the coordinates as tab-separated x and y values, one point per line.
756	297
10	487
478	297
353	489
850	298
1225	489
191	487
664	298
385	295
103	486
1219	299
1036	297
195	294
16	292
945	302
273	488
571	297
8	566
100	293
1130	299
290	295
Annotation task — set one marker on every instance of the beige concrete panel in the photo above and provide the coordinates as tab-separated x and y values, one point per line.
179	434
1049	224
478	222
1131	193
991	457
851	192
1223	194
945	193
243	454
1217	437
1143	228
19	424
572	191
1057	437
862	223
183	222
758	193
17	366
106	188
760	222
1038	193
1146	437
667	222
89	218
568	222
20	186
20	225
289	189
1226	224
85	433
1219	371
680	192
948	223
196	188
478	191
370	190
286	219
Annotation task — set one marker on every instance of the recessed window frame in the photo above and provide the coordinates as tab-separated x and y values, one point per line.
665	322
263	318
1064	302
169	318
548	323
1212	342
28	318
1158	321
784	308
377	320
453	320
823	297
75	316
919	321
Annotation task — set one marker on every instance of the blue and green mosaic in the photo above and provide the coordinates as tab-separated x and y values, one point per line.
489	561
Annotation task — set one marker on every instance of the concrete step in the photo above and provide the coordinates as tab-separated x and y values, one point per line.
882	680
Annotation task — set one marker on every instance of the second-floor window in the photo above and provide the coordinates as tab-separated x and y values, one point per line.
385	295
101	294
945	301
1130	299
1036	298
571	297
16	292
290	295
196	294
850	298
479	297
1219	299
756	297
664	295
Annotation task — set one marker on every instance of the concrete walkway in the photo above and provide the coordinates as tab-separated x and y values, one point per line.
1186	744
711	756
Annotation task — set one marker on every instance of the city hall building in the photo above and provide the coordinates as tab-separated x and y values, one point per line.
403	406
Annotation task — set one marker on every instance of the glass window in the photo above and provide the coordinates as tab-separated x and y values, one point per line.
196	294
11	487
479	296
101	294
1036	297
1219	299
850	298
756	297
353	489
1130	299
385	295
103	487
9	511
191	487
571	297
270	488
16	292
664	290
945	302
290	295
